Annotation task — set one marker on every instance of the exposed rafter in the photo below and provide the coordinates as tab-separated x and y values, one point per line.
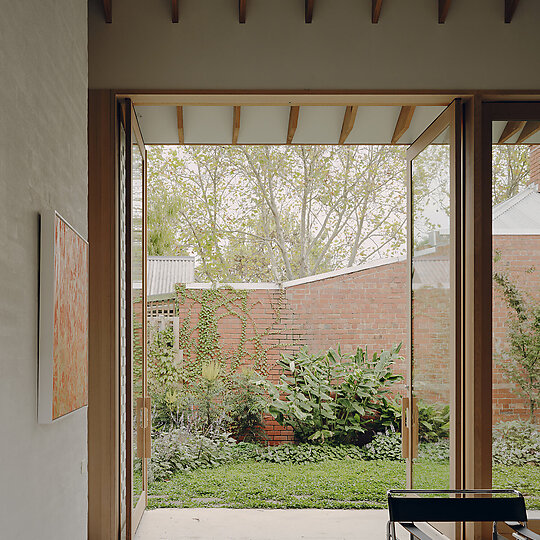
509	9
236	124
293	123
309	10
444	6
376	6
528	130
348	122
107	9
174	11
510	130
403	122
242	4
180	122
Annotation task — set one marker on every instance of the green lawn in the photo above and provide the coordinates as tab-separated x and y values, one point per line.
330	484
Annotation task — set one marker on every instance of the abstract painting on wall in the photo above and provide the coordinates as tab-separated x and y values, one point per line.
63	325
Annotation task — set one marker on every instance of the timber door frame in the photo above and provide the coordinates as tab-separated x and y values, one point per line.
480	107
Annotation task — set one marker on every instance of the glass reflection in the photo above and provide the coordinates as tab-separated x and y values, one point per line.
431	313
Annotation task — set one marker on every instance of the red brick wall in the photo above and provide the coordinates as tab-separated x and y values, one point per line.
519	255
369	308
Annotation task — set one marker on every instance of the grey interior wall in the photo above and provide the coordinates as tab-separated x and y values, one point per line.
43	165
341	49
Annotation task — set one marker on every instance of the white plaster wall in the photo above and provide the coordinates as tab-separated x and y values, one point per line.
43	165
341	49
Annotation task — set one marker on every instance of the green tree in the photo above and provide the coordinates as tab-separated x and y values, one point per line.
510	164
276	212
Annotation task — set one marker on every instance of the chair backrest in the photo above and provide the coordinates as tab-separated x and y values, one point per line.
406	508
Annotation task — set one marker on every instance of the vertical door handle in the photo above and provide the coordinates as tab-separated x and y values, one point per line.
405	428
143	422
415	424
148	427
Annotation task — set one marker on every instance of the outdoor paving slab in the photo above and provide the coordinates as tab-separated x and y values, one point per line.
258	524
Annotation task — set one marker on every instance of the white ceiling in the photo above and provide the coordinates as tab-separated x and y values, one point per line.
268	124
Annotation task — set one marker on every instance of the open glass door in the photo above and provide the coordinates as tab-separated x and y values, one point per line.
434	180
138	406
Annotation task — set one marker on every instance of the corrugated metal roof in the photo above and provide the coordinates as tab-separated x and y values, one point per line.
520	214
165	272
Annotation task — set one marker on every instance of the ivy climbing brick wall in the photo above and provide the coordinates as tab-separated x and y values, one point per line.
364	307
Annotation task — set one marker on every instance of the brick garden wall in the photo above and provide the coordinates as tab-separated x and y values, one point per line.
368	308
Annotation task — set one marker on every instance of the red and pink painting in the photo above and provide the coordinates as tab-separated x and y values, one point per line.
63	362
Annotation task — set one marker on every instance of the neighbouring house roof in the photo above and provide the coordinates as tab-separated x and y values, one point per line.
165	272
519	215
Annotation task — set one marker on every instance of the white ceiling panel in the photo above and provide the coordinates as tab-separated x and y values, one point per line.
373	125
263	125
158	124
422	118
318	125
208	125
268	124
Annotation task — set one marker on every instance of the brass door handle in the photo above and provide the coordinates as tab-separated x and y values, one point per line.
143	422
415	424
404	428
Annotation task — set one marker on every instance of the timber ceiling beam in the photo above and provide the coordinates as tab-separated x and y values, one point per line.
528	130
348	122
309	10
510	130
236	124
444	7
293	123
174	11
403	122
107	9
242	5
510	7
376	6
180	122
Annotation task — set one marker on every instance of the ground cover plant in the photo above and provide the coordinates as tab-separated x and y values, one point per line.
345	483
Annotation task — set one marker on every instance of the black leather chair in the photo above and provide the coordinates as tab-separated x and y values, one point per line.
408	507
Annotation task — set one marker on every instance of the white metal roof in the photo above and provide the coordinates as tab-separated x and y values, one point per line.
520	214
165	272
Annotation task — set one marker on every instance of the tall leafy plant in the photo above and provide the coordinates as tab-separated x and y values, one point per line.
331	396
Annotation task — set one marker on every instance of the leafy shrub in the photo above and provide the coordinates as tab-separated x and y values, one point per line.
200	408
331	396
434	419
308	453
385	446
169	409
436	452
178	450
516	443
246	406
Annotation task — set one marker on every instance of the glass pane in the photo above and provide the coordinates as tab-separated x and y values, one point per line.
432	312
137	261
516	308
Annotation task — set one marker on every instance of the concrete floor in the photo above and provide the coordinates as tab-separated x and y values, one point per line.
229	524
